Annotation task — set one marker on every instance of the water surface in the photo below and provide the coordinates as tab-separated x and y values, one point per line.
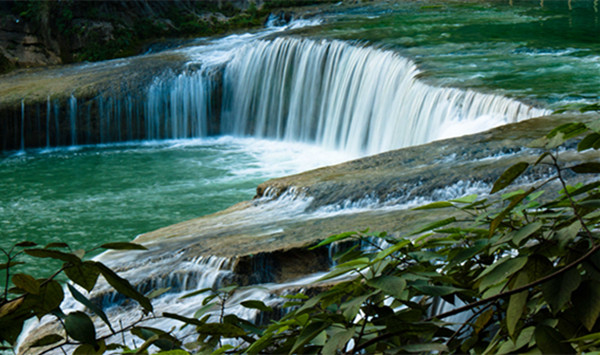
90	195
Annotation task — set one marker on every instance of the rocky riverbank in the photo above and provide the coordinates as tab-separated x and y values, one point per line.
44	33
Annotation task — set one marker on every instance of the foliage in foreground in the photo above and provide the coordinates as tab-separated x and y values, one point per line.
514	273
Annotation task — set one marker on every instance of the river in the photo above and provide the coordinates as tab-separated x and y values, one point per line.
353	81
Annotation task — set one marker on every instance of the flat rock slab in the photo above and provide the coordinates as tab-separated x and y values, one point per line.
373	193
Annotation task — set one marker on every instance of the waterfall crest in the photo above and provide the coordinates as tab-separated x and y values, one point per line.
347	97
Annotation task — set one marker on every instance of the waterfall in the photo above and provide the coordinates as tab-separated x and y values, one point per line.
347	97
73	119
180	106
48	110
22	125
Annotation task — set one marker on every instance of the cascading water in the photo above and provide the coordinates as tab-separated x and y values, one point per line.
347	97
180	107
342	96
73	119
48	115
22	125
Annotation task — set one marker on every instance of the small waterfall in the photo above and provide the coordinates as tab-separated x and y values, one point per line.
346	97
73	119
190	275
57	122
22	125
48	110
180	106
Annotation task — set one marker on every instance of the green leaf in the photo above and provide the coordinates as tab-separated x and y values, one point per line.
500	217
123	286
356	263
308	333
567	234
483	320
84	274
590	107
394	248
590	141
590	203
196	293
262	343
585	188
510	347
257	305
156	337
89	304
49	298
147	343
391	285
228	289
586	168
204	309
557	291
11	329
221	329
123	246
54	254
434	225
56	245
588	337
338	341
27	283
586	301
26	244
157	292
524	337
569	130
594	126
465	199
516	303
509	176
434	205
500	271
350	309
80	327
334	238
47	340
551	341
525	232
183	352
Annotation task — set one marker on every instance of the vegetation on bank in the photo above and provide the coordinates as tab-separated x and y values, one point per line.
99	30
518	272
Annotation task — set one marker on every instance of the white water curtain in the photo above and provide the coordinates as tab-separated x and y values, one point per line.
347	97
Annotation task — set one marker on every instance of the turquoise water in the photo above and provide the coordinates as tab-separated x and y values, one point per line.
87	196
544	52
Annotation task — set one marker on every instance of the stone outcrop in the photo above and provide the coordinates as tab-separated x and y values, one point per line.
43	33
